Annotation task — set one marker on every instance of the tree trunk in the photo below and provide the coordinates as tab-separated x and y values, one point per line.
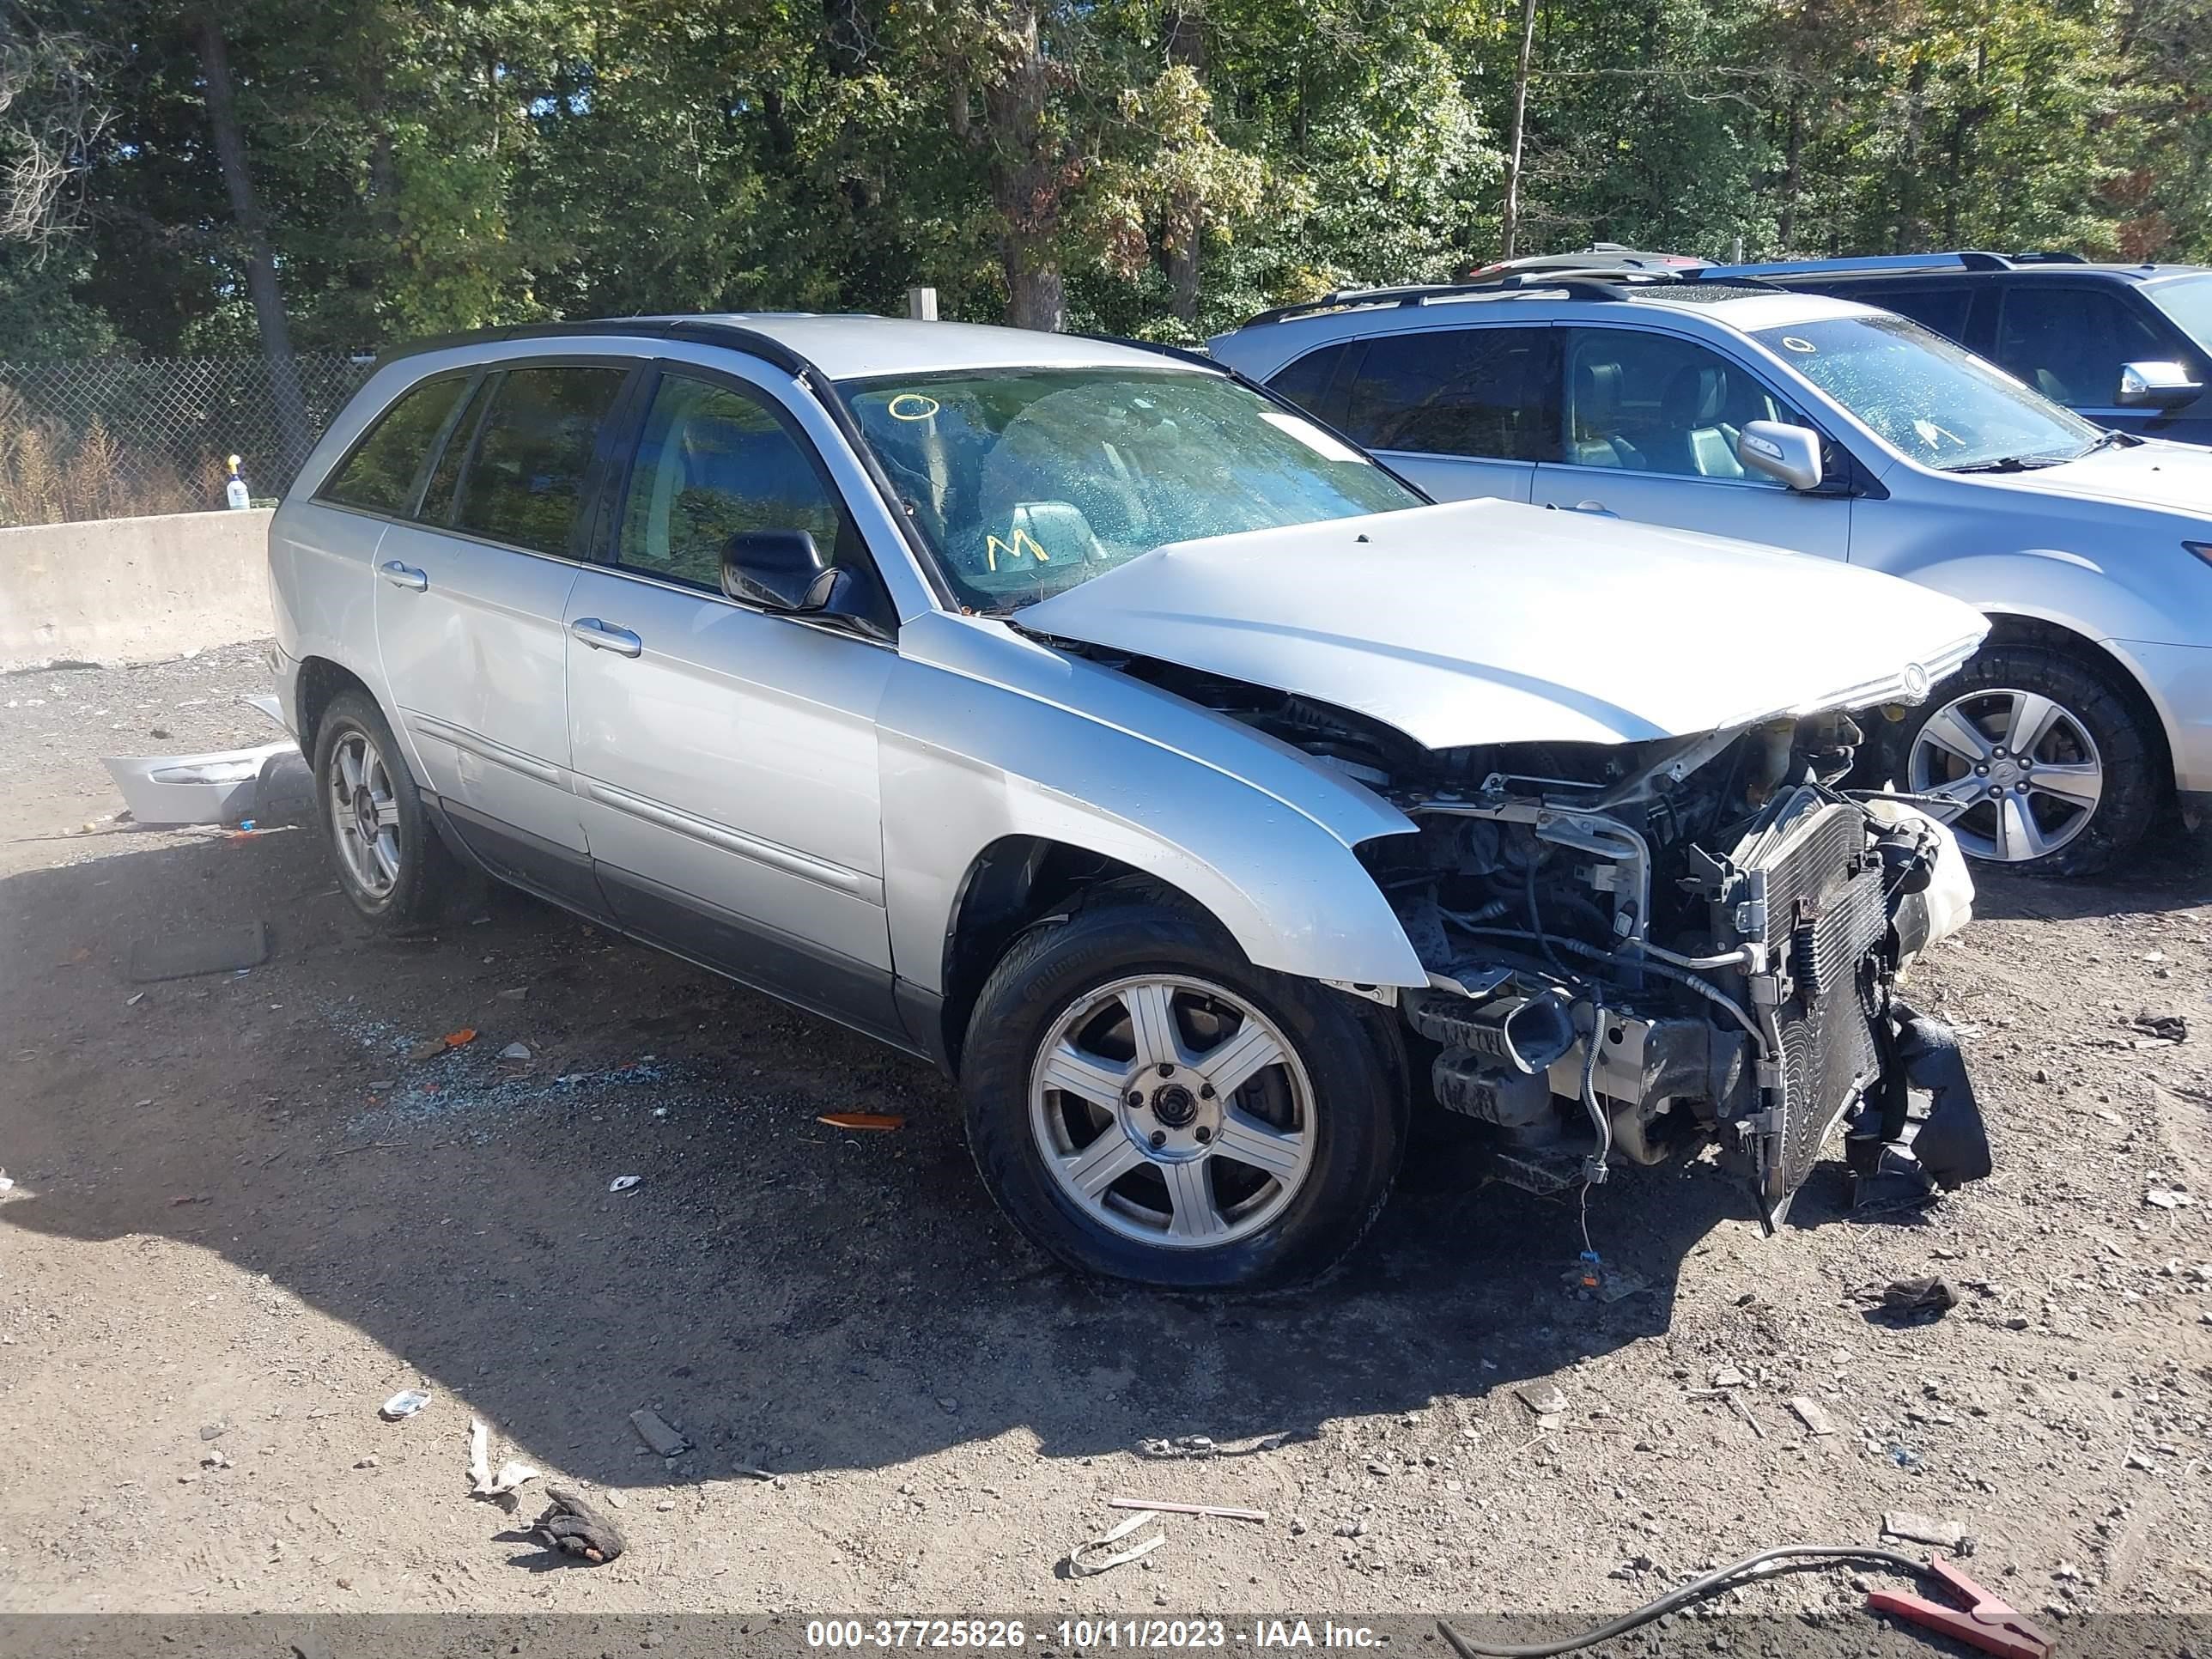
1911	228
260	260
1030	179
1509	226
1786	225
1186	222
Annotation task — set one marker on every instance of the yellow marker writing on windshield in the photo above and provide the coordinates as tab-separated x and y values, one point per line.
1021	542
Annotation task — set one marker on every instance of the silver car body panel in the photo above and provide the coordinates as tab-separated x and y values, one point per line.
2093	546
1489	621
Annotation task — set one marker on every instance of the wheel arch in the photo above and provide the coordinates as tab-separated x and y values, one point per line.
320	681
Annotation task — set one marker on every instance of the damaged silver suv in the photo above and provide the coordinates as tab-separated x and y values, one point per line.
1166	770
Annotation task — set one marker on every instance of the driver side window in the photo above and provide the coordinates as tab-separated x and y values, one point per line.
1651	403
712	463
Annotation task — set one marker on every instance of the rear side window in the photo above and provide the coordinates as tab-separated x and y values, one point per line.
379	476
1486	392
1933	306
526	480
1305	382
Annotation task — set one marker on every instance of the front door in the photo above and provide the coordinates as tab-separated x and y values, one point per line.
725	756
1651	422
470	599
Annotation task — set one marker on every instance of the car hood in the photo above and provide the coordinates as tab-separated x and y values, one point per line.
2170	477
1488	621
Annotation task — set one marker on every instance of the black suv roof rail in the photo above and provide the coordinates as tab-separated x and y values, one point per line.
1959	259
1597	284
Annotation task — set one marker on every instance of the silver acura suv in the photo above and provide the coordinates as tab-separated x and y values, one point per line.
1167	770
1741	409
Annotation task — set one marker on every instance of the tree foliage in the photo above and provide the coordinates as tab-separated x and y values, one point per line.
1156	167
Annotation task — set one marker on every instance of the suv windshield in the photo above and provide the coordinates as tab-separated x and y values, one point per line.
2189	303
1027	480
1937	402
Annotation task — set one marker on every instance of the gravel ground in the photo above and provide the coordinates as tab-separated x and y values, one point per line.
246	1210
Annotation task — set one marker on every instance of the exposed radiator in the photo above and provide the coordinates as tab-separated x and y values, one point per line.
1825	914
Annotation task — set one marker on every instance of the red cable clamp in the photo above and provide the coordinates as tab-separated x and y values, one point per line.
1986	1623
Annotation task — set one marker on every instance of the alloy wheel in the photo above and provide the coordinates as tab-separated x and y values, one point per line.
2015	774
364	814
1172	1111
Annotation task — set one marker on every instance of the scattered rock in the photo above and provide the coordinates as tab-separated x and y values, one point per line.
654	1431
2168	1028
515	1051
2168	1198
1727	1376
368	1462
1545	1399
1809	1413
214	1431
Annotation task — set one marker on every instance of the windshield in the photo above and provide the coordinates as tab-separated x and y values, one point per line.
1027	480
1937	402
2189	303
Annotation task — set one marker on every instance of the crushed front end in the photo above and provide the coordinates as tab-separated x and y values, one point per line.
1634	949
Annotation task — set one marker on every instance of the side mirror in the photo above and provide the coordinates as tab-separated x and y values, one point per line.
1788	454
779	570
2157	386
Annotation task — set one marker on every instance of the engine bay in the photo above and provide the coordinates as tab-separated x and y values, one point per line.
1635	949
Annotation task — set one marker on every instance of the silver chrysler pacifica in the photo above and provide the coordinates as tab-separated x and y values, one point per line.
1168	771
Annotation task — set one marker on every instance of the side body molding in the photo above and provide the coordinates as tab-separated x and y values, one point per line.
986	733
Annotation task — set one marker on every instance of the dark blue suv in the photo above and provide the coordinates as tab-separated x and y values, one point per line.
2126	346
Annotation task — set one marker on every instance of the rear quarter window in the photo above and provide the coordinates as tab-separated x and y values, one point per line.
380	474
524	482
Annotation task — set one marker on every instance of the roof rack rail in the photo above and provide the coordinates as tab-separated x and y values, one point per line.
1601	283
2040	257
1964	259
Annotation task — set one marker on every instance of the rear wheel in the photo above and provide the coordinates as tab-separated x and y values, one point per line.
1146	1104
2041	763
390	862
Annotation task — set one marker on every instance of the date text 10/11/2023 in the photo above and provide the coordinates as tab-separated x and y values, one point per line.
1285	1635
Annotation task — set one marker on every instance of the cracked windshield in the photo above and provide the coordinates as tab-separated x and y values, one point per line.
1942	405
1027	482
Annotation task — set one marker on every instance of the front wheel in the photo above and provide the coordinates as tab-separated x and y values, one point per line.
2041	763
1146	1104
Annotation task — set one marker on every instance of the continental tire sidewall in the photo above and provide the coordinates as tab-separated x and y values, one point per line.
417	893
1360	1101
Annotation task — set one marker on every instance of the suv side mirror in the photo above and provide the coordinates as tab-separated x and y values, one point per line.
2157	386
1788	454
779	570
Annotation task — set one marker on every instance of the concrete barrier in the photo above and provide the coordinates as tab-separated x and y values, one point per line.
132	590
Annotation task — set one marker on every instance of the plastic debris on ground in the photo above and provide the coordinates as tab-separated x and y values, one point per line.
483	1483
403	1404
2168	1198
879	1121
1810	1414
515	1051
6	1185
623	1183
1097	1555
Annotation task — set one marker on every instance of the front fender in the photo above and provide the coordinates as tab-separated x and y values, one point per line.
987	735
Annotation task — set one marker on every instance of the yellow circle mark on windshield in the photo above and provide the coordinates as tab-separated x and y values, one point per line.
1796	344
911	406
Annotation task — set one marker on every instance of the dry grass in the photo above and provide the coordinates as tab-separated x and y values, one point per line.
51	475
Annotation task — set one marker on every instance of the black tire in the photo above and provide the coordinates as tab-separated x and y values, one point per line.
1348	1049
427	868
2128	741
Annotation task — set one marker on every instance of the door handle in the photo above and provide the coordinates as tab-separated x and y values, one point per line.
1593	506
604	636
403	576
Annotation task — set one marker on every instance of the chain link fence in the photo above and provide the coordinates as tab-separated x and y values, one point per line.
109	438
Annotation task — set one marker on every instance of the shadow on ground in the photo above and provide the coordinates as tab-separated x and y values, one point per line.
788	1294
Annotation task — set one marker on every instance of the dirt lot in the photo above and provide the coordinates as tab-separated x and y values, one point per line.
243	1215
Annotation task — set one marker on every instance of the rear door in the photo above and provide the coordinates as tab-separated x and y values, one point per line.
1649	426
1460	411
470	601
725	756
